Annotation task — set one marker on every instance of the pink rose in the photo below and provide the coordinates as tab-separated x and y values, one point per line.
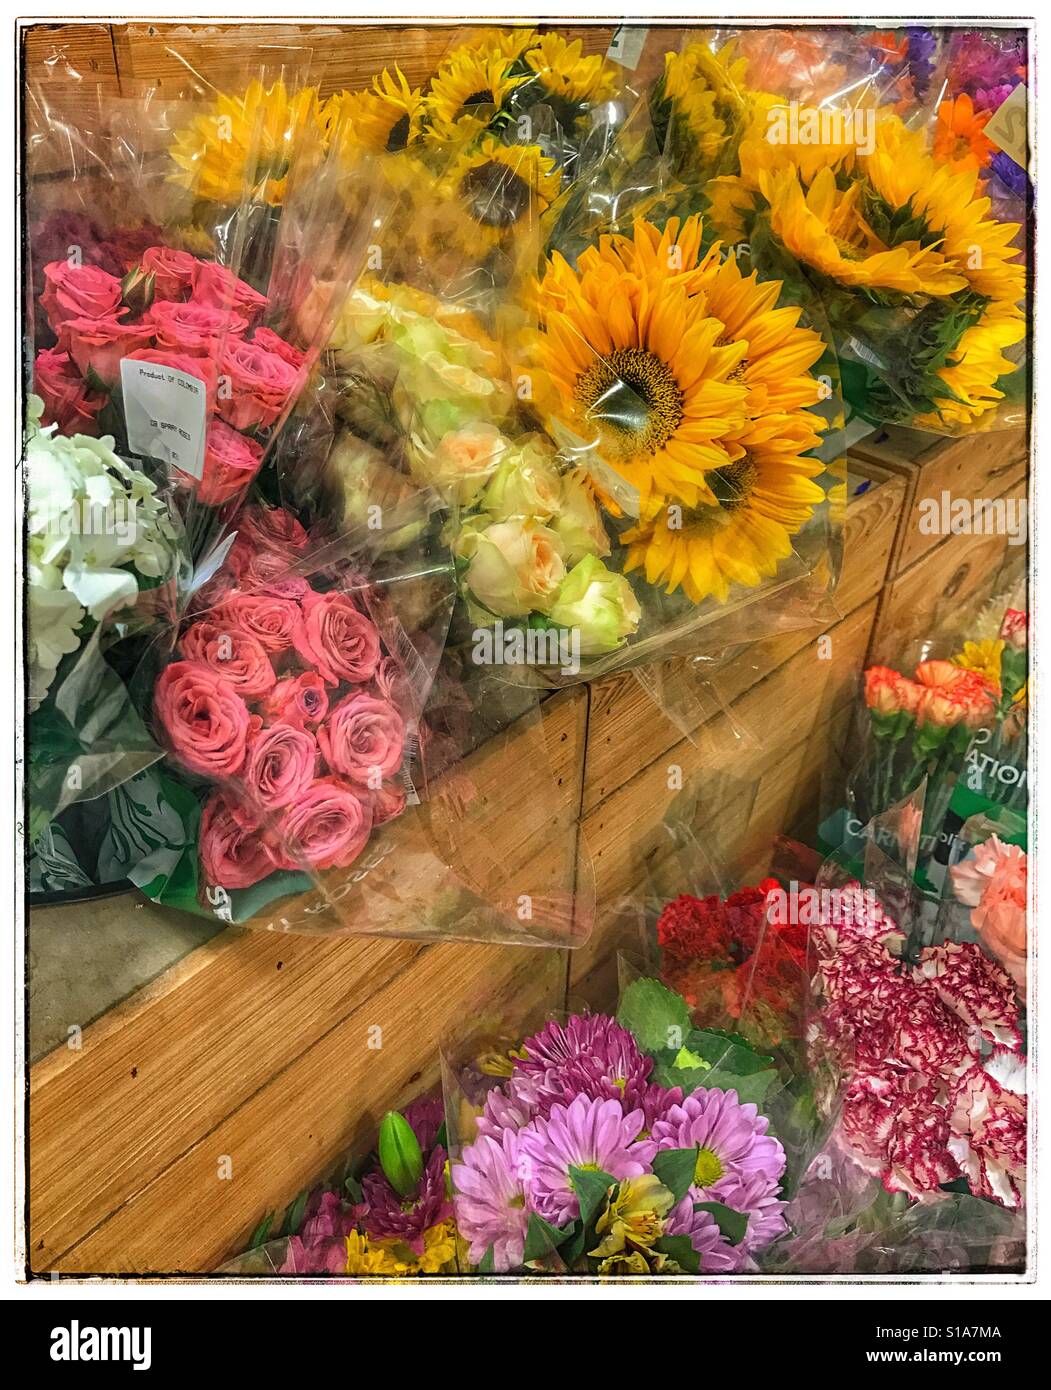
220	288
196	329
286	586
269	620
327	828
99	344
387	803
392	683
172	271
282	763
67	401
238	659
363	738
205	720
298	700
336	640
231	461
259	385
268	340
78	292
232	848
272	528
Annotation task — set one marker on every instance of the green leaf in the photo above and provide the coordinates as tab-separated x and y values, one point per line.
261	1234
591	1187
293	1217
675	1168
657	1016
543	1239
352	1188
487	1264
688	1060
732	1224
679	1249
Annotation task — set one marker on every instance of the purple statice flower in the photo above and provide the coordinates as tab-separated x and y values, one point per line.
1010	174
990	98
425	1118
589	1133
922	48
731	1139
718	1256
387	1216
491	1200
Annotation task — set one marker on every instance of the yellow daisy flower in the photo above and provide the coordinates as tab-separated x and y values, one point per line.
975	366
364	1258
983	657
568	77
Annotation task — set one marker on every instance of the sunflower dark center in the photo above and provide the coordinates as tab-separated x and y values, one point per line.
494	194
399	135
732	485
636	397
482	98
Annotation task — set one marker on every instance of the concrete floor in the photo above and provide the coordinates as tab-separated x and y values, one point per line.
85	957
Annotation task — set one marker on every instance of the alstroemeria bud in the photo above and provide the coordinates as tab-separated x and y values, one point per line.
400	1155
136	289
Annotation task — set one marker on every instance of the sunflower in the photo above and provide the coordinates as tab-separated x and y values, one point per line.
243	147
568	78
383	120
507	43
975	366
960	141
823	225
633	364
469	85
705	90
760	501
492	193
952	209
983	657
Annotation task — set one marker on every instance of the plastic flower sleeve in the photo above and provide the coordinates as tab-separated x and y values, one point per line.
594	1144
856	200
337	782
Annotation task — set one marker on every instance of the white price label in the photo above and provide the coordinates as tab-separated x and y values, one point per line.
626	45
164	413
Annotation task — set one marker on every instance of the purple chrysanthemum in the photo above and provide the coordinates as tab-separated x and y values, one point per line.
490	1200
328	1256
387	1216
756	1197
591	1134
425	1118
596	1036
718	1256
731	1139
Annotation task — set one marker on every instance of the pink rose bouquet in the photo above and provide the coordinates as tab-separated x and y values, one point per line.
274	699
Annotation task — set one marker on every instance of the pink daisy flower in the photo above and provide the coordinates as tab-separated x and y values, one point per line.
490	1201
731	1140
592	1134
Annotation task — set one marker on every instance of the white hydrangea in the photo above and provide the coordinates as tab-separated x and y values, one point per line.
95	526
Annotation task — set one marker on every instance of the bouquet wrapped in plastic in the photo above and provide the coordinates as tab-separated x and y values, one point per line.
631	1146
870	213
385	1213
927	1040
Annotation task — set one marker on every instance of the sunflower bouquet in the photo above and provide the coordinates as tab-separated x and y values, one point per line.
921	282
632	1146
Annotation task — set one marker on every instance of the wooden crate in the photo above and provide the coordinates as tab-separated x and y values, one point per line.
979	465
626	733
254	1049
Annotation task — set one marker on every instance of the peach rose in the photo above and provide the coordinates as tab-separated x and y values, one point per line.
97	345
271	621
301	700
231	461
196	329
513	567
205	721
268	340
363	738
220	288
